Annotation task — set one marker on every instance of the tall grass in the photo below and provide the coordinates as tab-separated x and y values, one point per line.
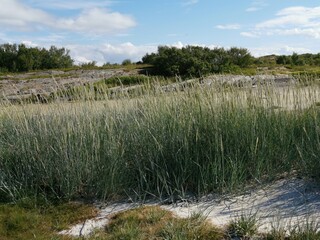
196	141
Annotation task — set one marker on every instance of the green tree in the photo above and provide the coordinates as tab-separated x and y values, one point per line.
8	57
15	58
297	60
196	60
126	62
283	59
240	56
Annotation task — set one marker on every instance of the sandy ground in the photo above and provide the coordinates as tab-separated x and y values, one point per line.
285	204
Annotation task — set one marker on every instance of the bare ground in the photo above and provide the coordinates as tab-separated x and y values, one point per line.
283	205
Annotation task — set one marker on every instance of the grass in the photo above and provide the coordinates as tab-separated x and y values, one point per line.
156	144
244	227
199	141
123	81
308	231
27	220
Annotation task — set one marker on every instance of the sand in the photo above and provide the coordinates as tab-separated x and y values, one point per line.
285	204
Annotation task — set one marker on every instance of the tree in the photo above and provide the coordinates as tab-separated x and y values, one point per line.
283	59
296	60
240	56
8	57
15	58
126	62
196	60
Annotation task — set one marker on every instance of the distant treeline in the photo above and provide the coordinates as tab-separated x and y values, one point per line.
20	58
299	60
196	60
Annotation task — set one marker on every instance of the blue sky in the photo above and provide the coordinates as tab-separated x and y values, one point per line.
114	30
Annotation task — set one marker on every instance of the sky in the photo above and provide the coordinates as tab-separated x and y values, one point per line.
114	30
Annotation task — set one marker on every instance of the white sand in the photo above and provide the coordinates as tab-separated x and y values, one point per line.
286	204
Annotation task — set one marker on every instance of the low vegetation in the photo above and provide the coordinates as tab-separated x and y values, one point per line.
244	227
146	142
123	81
31	219
198	141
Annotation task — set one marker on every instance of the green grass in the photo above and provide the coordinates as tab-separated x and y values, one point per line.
244	227
27	220
199	141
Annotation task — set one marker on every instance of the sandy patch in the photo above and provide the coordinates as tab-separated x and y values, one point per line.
284	204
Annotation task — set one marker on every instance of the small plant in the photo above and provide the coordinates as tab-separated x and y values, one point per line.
243	227
308	231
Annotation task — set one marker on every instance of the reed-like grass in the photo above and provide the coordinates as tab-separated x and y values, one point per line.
166	145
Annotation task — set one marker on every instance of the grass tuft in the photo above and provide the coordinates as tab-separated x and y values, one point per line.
243	227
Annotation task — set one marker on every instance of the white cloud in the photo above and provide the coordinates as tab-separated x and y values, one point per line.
97	21
279	50
229	27
94	20
71	4
178	45
311	32
20	16
285	21
29	43
114	53
291	21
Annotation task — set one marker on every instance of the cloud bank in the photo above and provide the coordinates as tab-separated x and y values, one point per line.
19	16
290	21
